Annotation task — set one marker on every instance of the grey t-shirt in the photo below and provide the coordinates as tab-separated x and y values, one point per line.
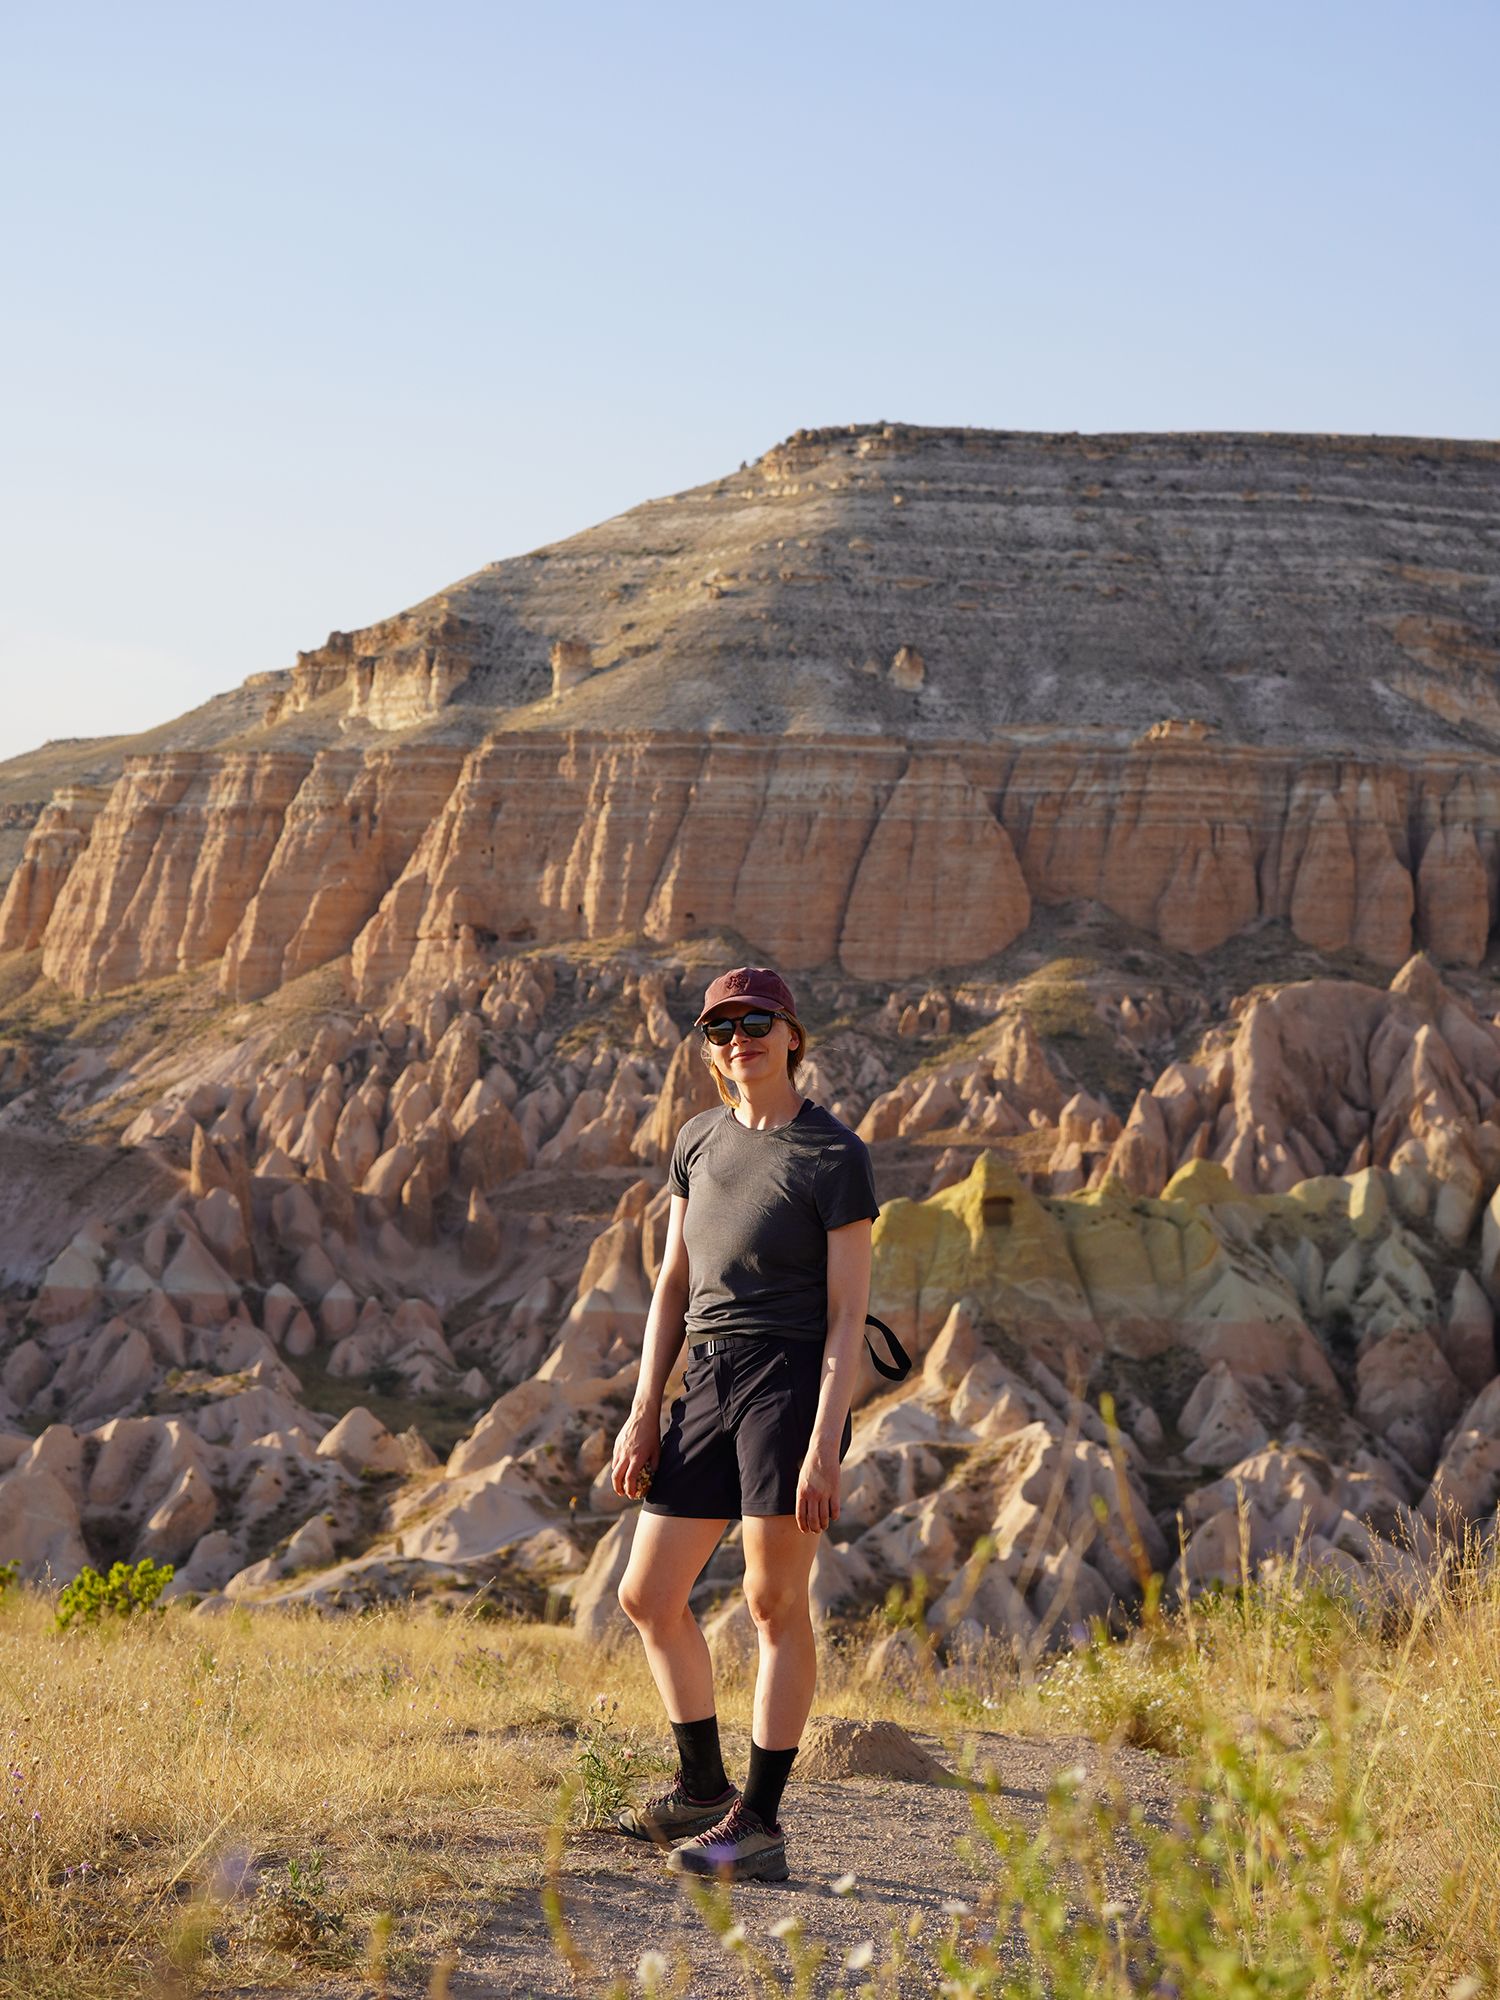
759	1209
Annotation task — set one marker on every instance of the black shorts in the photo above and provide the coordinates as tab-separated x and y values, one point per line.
738	1432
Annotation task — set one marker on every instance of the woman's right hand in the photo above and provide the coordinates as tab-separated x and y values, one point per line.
637	1450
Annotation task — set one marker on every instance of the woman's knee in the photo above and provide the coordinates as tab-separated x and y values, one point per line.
647	1605
775	1607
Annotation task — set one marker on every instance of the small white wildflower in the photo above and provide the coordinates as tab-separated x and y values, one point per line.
844	1885
785	1927
1112	1912
1465	1988
733	1938
954	1908
861	1955
651	1968
1074	1775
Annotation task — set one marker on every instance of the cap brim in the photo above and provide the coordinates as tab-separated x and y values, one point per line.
749	1001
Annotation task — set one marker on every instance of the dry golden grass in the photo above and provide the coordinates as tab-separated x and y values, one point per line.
143	1757
246	1798
412	1763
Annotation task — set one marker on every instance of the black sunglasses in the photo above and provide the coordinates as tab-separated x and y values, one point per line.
757	1024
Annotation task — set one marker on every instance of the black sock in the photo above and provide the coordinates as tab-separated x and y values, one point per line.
702	1764
769	1771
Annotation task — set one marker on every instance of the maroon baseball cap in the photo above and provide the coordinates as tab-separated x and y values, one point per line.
756	985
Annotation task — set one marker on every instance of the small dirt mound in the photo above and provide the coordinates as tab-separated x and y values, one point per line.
834	1747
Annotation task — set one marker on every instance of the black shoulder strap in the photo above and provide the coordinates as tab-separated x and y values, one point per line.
898	1353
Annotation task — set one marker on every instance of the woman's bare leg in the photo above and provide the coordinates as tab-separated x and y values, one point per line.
778	1563
666	1560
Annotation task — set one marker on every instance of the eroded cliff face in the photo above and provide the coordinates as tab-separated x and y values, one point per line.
347	833
174	857
886	859
1194	840
391	675
818	853
60	835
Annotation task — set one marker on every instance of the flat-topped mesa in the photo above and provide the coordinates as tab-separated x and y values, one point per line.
952	585
865	703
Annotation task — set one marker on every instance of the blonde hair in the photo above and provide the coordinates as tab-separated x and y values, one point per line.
794	1060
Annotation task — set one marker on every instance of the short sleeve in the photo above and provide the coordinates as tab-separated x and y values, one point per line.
844	1187
677	1179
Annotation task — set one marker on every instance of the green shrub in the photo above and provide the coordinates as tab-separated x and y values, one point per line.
1150	1693
9	1576
296	1913
126	1590
607	1765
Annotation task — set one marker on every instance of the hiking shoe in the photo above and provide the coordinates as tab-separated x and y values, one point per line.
740	1848
672	1815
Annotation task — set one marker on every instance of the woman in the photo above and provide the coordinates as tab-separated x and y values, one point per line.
766	1270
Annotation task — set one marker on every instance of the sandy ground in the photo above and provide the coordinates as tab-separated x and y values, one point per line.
900	1842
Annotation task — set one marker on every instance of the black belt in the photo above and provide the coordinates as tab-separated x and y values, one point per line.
899	1355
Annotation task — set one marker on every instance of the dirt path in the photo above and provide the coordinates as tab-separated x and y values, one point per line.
900	1842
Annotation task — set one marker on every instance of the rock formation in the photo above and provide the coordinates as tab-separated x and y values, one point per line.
1126	812
1099	688
1315	1330
1326	1078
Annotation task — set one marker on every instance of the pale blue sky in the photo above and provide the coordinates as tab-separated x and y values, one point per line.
314	308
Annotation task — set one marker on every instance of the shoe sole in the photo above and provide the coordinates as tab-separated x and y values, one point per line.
769	1867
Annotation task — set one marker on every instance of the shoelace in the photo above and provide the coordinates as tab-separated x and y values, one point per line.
730	1827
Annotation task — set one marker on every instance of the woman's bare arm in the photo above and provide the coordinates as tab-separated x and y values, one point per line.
848	1302
638	1446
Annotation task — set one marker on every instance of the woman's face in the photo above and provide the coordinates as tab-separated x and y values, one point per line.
746	1059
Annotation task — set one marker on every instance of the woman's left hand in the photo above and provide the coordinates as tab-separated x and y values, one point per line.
818	1488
